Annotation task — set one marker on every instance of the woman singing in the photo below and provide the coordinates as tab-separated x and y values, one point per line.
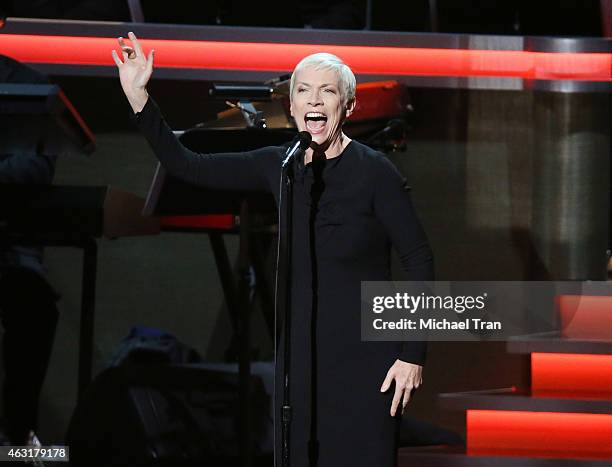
350	204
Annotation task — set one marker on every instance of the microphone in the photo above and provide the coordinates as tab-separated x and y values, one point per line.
299	144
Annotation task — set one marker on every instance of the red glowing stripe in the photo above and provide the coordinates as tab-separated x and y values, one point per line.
392	61
205	222
539	434
571	375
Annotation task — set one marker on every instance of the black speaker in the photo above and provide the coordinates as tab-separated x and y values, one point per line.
158	415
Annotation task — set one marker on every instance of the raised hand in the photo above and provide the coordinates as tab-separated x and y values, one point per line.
134	71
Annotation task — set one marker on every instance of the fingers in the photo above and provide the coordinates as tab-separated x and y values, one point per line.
387	382
124	47
406	399
409	388
397	397
137	47
150	61
125	50
130	52
116	58
407	377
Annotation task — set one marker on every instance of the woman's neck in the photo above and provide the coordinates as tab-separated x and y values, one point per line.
333	150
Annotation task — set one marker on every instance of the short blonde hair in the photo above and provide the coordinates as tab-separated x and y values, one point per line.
327	61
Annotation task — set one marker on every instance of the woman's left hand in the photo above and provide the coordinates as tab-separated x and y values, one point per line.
408	377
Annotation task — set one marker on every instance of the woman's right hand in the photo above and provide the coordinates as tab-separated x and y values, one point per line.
134	71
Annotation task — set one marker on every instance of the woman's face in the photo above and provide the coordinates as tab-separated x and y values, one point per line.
316	105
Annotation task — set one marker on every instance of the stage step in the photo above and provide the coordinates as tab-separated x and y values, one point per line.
566	416
507	399
578	376
539	434
585	327
585	316
504	422
556	343
447	457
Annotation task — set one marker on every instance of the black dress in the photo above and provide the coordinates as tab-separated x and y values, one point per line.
351	209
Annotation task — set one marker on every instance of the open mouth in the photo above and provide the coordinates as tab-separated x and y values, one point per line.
315	122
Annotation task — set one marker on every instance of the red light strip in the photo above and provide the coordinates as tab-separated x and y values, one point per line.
539	434
393	61
571	375
203	222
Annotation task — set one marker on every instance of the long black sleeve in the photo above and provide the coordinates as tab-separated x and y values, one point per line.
393	207
243	171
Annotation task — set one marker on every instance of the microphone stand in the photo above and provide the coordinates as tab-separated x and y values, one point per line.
283	285
284	244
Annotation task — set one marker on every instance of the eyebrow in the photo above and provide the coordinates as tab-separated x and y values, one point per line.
323	85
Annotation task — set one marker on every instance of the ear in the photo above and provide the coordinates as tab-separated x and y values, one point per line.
350	107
